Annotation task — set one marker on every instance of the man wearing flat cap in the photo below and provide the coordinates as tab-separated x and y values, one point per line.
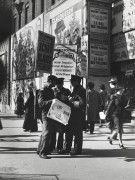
77	118
61	94
45	98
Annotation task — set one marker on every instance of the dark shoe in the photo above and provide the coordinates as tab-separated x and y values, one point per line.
100	125
44	156
121	146
91	132
75	153
64	151
110	140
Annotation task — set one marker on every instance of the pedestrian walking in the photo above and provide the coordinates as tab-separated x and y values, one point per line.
114	112
45	98
77	118
30	123
20	105
103	97
61	94
93	106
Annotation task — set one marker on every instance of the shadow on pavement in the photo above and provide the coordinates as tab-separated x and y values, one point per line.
28	176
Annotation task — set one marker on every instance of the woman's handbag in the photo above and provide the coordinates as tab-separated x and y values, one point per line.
1	127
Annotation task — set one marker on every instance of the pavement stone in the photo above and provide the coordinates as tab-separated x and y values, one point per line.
99	160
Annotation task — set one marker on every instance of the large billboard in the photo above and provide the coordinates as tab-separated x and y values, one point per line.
123	46
66	26
24	49
123	16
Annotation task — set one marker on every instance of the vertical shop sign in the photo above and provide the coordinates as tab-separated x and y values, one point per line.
99	19
64	63
45	52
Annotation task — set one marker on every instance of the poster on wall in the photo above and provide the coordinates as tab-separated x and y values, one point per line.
123	16
45	52
84	56
123	46
99	19
66	26
99	57
24	49
64	62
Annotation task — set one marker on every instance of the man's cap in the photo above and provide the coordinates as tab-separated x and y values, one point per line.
59	80
113	80
51	78
75	78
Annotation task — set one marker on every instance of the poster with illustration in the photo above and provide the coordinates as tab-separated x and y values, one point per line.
64	63
24	49
66	26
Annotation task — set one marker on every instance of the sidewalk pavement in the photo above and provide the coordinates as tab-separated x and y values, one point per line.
99	160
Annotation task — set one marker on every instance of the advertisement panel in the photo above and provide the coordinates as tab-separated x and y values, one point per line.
123	46
84	56
45	52
66	26
99	57
24	49
64	63
123	16
99	19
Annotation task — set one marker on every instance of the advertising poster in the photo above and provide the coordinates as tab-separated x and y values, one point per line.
99	57
64	63
123	16
45	52
123	46
84	57
24	49
66	26
99	20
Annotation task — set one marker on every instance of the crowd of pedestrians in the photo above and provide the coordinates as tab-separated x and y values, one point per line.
113	104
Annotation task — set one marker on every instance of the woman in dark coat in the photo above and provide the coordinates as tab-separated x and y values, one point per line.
20	105
30	123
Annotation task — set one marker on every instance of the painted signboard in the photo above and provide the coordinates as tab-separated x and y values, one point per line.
99	18
123	16
45	52
24	49
123	46
64	63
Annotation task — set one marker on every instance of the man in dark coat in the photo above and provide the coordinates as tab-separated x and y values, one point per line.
45	98
77	119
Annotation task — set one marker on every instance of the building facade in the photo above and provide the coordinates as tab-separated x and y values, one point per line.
82	31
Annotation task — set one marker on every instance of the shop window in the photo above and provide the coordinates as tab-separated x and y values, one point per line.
42	6
33	9
26	12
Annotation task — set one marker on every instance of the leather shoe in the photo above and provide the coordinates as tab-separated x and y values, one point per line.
44	156
75	153
64	151
110	140
121	146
